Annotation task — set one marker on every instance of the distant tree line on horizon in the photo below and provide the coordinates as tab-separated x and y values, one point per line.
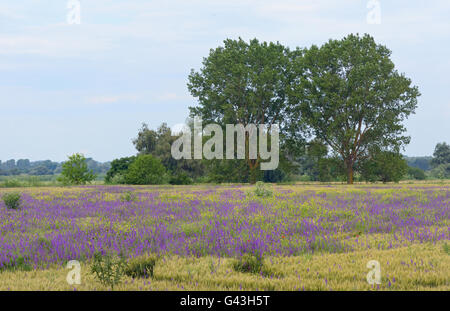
47	167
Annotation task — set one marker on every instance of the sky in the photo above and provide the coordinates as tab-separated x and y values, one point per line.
69	87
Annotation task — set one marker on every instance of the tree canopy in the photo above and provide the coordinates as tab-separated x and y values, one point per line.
243	83
350	95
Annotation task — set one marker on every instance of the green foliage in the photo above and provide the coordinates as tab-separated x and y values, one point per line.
108	270
158	144
11	183
75	171
261	190
12	200
441	171
145	170
118	170
243	82
441	155
416	173
384	166
18	264
180	178
350	96
141	267
128	196
249	263
446	248
223	171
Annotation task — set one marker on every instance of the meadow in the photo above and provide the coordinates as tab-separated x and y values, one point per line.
310	237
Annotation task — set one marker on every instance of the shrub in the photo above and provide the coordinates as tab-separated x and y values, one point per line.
262	191
116	174
12	200
446	248
12	183
145	170
180	178
384	166
128	197
249	263
18	264
141	267
416	173
108	270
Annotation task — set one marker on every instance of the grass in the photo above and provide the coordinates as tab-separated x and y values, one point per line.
419	267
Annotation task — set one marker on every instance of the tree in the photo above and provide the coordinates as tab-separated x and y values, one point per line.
145	170
75	170
384	166
441	154
145	142
350	95
158	143
119	168
416	173
243	83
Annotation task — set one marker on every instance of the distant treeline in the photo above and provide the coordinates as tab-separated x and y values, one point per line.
38	168
424	163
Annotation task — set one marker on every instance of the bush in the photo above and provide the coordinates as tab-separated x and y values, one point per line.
119	167
249	263
441	172
12	200
180	178
262	191
18	264
108	270
11	183
141	267
118	179
416	173
384	166
145	170
128	197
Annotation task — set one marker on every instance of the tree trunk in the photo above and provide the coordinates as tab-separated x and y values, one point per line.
349	172
252	175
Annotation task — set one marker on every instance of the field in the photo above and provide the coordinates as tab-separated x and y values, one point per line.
311	237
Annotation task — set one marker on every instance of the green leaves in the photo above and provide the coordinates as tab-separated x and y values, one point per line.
350	95
108	270
75	171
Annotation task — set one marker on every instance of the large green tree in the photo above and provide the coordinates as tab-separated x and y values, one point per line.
243	83
350	95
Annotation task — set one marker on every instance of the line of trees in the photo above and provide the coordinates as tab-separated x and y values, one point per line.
47	167
340	108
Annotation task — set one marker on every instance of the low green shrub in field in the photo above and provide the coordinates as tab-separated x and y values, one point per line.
11	183
446	248
249	263
141	267
180	178
12	200
262	190
18	264
108	270
128	196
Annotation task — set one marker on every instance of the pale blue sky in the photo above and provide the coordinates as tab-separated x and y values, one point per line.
88	87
